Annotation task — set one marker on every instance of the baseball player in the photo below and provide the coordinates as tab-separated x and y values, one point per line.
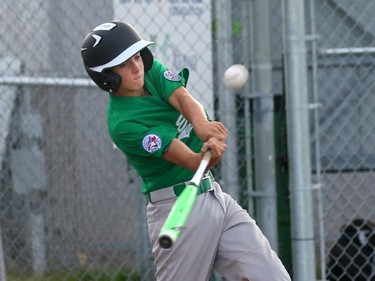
163	132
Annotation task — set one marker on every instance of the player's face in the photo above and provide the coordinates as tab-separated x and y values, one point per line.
132	75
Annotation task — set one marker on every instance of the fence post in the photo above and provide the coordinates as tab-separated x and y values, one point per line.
227	103
2	263
298	142
264	140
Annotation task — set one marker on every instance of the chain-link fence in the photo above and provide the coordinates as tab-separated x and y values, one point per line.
346	93
70	205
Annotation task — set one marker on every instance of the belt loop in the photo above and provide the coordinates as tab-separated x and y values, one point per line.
148	196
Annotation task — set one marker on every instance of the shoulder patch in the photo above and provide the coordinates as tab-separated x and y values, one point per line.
151	143
172	76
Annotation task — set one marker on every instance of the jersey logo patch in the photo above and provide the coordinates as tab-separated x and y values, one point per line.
151	143
172	76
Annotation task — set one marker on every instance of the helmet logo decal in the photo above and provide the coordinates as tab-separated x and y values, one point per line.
151	143
105	26
97	39
172	76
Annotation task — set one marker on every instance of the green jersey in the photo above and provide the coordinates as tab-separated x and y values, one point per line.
143	127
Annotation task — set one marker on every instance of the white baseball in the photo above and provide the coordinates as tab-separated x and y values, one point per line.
235	76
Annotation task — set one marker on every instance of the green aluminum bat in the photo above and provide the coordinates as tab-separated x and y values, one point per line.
182	207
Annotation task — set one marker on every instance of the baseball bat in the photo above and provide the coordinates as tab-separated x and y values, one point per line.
181	209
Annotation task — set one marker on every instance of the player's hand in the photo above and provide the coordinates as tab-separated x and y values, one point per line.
217	149
214	129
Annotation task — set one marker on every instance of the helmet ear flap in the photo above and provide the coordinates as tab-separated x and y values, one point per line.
113	81
107	80
147	58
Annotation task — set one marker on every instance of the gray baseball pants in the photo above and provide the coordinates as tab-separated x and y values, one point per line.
219	235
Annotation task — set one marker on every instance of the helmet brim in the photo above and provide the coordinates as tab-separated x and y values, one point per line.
124	56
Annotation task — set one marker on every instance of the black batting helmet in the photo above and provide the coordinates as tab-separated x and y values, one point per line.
109	45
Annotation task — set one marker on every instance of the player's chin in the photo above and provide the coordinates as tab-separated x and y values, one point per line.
138	83
139	80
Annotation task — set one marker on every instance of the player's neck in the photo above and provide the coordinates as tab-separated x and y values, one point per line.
142	92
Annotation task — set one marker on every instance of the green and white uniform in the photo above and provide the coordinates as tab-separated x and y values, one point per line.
218	233
143	128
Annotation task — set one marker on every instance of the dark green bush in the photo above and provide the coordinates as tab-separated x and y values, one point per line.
122	274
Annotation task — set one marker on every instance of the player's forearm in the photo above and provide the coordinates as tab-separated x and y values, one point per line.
182	155
193	111
189	107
